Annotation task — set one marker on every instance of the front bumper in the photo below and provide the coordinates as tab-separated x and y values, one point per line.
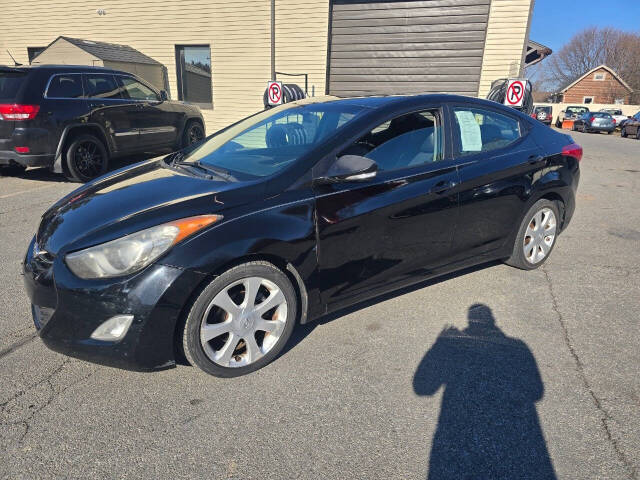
67	310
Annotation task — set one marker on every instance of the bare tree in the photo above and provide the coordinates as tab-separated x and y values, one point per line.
592	47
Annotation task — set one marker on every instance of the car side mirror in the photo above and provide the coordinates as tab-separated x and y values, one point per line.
349	168
164	96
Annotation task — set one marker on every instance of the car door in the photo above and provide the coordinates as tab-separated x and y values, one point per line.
396	227
497	161
158	125
111	110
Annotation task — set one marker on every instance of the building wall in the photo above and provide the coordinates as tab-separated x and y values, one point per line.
239	37
302	29
238	33
507	34
602	91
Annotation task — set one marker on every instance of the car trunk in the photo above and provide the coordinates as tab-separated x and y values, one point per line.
11	81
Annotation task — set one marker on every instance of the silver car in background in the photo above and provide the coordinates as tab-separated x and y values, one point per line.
595	122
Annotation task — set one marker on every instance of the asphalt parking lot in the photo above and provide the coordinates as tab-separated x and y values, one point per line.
537	371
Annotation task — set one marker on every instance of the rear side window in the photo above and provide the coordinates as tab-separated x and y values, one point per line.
10	82
65	86
102	86
478	130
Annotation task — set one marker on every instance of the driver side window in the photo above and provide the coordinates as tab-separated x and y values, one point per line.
406	141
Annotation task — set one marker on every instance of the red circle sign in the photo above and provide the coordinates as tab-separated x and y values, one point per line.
515	92
275	93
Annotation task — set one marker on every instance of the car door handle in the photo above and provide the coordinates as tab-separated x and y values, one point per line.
535	159
442	186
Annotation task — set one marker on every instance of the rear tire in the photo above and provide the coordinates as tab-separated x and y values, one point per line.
537	236
609	132
226	333
623	132
86	158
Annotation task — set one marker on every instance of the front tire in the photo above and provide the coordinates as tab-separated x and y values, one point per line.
536	237
85	158
241	321
193	133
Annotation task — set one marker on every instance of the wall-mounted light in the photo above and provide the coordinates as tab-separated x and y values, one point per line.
101	11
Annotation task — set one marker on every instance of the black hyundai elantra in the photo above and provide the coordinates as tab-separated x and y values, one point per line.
217	252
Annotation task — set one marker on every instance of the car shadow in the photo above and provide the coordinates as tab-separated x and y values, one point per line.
302	331
44	174
488	425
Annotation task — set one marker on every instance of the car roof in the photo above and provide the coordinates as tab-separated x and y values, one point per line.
401	100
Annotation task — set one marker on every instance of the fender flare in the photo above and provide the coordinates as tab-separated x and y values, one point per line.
57	162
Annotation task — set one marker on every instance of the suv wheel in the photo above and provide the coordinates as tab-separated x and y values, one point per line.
241	320
86	158
193	133
623	132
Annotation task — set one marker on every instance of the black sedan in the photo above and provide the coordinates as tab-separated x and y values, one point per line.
218	251
595	122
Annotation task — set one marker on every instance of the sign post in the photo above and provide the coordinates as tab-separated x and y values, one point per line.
274	93
515	92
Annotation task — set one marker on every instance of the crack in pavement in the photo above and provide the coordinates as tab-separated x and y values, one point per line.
606	416
17	344
53	393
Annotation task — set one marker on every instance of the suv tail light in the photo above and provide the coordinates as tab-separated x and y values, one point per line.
572	150
14	111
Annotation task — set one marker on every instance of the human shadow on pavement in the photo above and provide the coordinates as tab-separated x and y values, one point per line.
488	426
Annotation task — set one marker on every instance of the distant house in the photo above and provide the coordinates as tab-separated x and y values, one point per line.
599	85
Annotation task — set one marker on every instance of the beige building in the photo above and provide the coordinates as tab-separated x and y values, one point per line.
217	53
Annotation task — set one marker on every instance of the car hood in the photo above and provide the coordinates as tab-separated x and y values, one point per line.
132	199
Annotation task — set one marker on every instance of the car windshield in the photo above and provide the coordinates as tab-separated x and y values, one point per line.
577	110
601	115
10	83
613	112
268	142
542	109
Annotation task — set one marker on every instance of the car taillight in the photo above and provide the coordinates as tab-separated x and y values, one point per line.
14	111
572	150
592	119
21	149
614	121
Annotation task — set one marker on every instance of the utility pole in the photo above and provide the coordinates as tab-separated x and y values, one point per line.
273	40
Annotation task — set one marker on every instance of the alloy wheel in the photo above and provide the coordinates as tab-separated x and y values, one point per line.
195	133
539	236
243	322
88	159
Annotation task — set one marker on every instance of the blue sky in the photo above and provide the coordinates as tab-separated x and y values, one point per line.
554	22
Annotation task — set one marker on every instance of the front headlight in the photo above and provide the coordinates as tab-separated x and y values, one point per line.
135	251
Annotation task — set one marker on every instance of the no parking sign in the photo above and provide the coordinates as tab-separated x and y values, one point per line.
515	93
274	93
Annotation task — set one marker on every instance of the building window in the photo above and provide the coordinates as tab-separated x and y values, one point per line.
619	101
33	52
193	69
599	76
587	100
